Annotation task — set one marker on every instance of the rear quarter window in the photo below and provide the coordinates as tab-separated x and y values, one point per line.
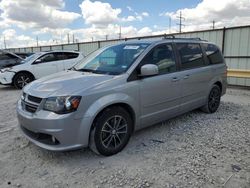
71	55
213	53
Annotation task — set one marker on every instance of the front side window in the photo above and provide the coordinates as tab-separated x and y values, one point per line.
113	60
48	58
191	55
213	54
163	57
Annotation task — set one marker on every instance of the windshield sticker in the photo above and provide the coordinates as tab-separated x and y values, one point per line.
131	47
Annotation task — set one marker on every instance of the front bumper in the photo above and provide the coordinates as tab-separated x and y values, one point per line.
52	131
6	77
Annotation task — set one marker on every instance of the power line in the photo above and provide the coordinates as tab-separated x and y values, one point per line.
181	18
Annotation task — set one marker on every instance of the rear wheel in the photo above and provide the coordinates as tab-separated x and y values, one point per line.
22	79
213	101
111	132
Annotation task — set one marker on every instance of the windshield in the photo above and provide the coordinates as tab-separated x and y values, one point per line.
32	57
113	60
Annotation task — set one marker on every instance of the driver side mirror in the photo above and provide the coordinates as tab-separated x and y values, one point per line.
149	70
37	61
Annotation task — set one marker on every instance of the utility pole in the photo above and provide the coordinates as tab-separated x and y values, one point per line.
68	38
170	24
37	41
120	33
180	24
213	25
73	37
4	41
106	36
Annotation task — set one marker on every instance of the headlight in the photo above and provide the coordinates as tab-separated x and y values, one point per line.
62	105
5	70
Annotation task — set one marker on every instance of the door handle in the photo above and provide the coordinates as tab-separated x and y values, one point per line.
175	79
186	77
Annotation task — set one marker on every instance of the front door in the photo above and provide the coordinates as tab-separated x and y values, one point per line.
160	94
45	65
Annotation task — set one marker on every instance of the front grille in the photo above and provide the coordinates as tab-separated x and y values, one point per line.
34	99
30	108
30	103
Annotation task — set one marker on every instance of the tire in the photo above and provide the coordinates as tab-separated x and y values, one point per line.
22	79
213	101
111	131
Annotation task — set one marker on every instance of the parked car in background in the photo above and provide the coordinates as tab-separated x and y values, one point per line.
37	66
120	89
23	54
9	59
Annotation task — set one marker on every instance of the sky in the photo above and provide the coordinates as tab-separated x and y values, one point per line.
23	22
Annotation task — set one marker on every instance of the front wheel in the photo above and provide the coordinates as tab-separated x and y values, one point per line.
213	101
22	79
111	132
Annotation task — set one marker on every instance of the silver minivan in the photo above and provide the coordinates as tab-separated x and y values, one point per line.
119	89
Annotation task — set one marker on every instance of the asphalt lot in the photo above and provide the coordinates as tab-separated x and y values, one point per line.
192	150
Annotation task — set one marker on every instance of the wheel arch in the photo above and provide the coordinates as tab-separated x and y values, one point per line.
123	105
22	71
218	83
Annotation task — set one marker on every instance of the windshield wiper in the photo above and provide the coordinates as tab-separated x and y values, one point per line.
87	70
72	68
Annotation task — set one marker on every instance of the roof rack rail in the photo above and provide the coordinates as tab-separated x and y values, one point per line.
179	38
168	36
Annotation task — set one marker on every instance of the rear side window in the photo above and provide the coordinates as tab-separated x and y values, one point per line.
71	55
213	53
60	56
191	55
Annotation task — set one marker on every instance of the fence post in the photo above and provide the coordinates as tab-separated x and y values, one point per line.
78	47
223	40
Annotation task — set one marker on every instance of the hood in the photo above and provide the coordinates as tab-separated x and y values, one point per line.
65	83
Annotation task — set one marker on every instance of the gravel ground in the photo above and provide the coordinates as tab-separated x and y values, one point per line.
192	150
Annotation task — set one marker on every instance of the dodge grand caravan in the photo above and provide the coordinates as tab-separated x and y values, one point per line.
119	89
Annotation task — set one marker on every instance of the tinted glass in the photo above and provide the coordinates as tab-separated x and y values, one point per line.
4	57
163	57
191	55
7	56
71	55
213	53
60	56
48	58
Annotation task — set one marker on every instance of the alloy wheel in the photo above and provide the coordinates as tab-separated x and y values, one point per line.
214	99
114	132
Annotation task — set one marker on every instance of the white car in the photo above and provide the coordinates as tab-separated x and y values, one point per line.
39	65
